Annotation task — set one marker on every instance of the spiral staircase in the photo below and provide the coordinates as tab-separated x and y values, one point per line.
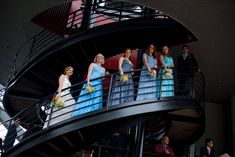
74	39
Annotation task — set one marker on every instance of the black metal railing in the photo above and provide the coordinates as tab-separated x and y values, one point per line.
2	91
108	151
109	93
100	150
100	13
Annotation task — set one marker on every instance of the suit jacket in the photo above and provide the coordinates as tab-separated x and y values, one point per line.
160	150
187	65
204	152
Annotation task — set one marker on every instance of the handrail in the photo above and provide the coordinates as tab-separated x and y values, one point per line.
108	95
58	31
2	91
109	150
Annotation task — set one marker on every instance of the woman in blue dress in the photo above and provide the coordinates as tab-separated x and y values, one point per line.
123	92
88	102
147	83
167	84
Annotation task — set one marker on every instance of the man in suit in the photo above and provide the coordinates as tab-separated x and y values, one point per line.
186	65
163	149
208	149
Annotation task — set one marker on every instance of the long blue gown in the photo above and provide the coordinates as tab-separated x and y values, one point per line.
167	86
147	84
88	102
123	92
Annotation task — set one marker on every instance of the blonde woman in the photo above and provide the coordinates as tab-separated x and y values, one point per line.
92	101
58	115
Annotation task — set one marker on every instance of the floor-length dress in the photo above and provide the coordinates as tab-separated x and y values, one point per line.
88	102
58	115
167	85
147	84
123	92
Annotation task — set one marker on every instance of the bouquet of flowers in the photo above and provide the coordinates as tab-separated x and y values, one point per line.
167	74
124	78
90	89
152	73
57	102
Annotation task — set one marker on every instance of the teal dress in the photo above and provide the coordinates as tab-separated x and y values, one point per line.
167	85
147	84
88	102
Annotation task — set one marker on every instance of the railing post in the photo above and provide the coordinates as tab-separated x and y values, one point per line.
140	140
86	15
99	151
161	79
13	69
120	15
109	94
192	89
49	118
72	22
14	65
31	49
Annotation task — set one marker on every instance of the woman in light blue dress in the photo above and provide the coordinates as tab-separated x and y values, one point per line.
167	84
123	92
147	83
88	102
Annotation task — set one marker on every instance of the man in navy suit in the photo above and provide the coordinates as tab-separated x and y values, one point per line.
208	150
186	65
163	149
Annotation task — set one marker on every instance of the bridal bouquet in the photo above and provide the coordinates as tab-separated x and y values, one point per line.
90	89
57	102
167	74
124	78
152	73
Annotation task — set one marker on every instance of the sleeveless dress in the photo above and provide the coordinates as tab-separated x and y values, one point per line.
65	112
167	85
88	102
123	92
147	84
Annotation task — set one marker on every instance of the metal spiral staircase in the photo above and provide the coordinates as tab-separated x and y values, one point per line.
74	40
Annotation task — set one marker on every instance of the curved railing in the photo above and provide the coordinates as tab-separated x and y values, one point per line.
2	91
92	15
109	94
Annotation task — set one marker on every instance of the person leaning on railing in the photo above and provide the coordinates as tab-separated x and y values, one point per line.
91	95
186	65
167	84
147	83
123	88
